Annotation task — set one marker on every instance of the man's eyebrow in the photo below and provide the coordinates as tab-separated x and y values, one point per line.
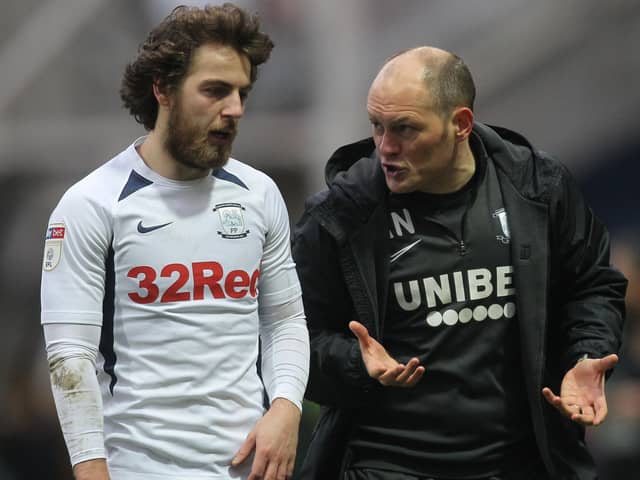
222	83
373	115
395	121
210	81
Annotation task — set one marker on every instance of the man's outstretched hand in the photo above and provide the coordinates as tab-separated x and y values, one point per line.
582	397
382	366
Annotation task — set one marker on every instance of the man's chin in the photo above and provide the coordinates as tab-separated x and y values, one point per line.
219	162
398	187
210	163
215	160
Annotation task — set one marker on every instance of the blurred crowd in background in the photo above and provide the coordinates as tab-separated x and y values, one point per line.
563	73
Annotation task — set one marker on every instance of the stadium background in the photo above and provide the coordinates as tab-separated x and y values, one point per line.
564	73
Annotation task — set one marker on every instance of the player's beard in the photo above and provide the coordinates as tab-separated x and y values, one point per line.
197	147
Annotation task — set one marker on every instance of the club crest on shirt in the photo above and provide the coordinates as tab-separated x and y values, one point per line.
501	215
53	246
231	220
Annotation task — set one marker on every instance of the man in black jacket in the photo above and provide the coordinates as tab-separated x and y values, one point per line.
453	279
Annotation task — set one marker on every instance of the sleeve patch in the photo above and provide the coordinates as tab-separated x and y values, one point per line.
53	246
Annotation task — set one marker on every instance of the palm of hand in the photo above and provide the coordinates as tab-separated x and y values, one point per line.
582	387
582	396
377	360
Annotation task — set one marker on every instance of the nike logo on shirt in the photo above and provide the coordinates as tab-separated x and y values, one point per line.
403	250
143	229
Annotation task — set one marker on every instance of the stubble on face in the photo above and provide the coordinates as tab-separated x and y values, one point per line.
194	146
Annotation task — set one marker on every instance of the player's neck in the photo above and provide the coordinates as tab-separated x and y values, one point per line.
157	158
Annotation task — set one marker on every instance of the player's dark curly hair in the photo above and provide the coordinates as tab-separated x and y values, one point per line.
166	54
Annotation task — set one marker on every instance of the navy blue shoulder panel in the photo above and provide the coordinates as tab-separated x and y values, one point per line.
222	174
134	183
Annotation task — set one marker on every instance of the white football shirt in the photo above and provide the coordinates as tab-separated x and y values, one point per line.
175	273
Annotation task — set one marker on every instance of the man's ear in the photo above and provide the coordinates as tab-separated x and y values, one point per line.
462	120
161	92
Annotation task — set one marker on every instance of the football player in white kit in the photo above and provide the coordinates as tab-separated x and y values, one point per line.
168	269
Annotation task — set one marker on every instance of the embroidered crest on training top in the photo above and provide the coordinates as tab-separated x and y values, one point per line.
501	215
53	246
231	220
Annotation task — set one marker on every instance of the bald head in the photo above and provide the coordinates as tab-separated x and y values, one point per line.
431	57
446	80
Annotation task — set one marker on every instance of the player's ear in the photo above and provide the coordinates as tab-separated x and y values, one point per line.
161	92
462	120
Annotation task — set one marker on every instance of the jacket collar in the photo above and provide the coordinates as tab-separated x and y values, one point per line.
357	186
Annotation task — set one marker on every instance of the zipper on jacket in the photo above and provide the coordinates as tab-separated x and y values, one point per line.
462	248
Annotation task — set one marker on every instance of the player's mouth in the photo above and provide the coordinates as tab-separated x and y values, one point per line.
391	170
222	136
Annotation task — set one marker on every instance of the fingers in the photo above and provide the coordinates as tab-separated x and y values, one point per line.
415	377
380	365
388	376
608	362
552	398
573	409
361	332
273	471
584	415
245	450
282	474
270	473
258	467
403	375
567	407
601	412
290	467
411	374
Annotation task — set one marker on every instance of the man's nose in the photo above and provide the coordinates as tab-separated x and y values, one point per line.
234	106
388	145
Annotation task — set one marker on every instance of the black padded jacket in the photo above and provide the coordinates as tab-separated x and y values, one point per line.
570	300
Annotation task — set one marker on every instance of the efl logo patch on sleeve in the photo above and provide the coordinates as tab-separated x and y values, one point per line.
53	246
